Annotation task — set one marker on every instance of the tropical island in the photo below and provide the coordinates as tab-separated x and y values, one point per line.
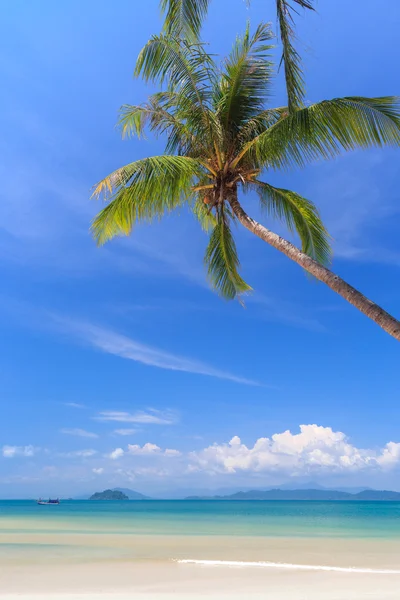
109	495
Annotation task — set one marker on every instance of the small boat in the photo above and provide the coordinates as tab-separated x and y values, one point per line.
49	501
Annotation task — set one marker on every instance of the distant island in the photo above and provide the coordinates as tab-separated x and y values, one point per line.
279	494
109	495
129	495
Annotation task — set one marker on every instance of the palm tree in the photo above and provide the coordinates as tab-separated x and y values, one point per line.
221	140
184	18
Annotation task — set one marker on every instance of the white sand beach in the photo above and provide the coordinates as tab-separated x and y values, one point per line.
118	567
159	581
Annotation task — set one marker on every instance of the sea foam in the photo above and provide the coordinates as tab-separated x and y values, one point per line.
277	565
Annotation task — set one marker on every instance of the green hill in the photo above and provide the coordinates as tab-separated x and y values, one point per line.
109	495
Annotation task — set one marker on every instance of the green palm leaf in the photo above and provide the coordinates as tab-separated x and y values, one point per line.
222	261
244	84
260	123
325	129
141	191
290	57
184	18
299	215
204	216
190	73
155	115
187	67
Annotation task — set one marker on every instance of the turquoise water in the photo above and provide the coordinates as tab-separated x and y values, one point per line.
197	518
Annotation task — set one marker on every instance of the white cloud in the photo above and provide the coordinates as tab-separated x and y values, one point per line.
390	455
145	449
117	453
98	471
12	451
120	345
125	431
79	453
151	417
74	405
79	432
314	449
172	452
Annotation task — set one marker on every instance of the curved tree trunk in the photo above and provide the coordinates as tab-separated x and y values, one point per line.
366	306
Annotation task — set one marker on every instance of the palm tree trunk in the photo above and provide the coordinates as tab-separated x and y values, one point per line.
338	285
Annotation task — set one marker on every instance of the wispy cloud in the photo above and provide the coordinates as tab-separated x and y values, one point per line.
125	431
285	312
74	405
13	451
375	254
150	417
79	453
356	205
114	343
79	432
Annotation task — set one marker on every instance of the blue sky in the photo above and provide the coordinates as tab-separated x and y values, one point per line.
118	366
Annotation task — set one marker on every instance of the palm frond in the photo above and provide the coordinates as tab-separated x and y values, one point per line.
325	129
202	213
222	261
290	57
189	71
134	120
184	18
186	66
299	215
244	84
260	123
142	191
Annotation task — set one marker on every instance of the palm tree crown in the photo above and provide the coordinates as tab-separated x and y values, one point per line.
184	18
221	138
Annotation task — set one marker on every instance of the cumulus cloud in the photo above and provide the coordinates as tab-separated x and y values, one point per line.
314	449
98	471
147	449
172	452
79	432
149	417
13	451
390	455
117	453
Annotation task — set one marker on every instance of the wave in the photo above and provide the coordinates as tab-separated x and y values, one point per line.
277	565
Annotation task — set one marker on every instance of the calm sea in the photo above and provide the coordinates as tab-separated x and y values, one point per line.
206	518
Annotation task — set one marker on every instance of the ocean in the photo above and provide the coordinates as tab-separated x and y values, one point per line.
206	517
